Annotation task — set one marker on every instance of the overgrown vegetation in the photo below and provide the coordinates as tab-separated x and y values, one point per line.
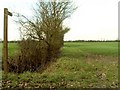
82	64
42	36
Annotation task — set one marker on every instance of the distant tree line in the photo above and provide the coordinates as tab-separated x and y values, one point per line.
92	41
74	41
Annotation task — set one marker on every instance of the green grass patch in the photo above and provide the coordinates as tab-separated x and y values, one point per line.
78	49
82	64
0	50
13	49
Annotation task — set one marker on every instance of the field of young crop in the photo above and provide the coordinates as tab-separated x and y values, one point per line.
81	64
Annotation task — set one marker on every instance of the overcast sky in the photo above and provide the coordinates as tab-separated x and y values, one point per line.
93	20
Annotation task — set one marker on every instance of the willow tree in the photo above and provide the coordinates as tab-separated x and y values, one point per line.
46	29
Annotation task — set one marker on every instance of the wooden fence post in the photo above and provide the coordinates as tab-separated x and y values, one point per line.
5	51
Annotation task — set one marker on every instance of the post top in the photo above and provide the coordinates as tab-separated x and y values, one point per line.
8	13
5	8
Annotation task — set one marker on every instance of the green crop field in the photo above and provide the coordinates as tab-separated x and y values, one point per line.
81	64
